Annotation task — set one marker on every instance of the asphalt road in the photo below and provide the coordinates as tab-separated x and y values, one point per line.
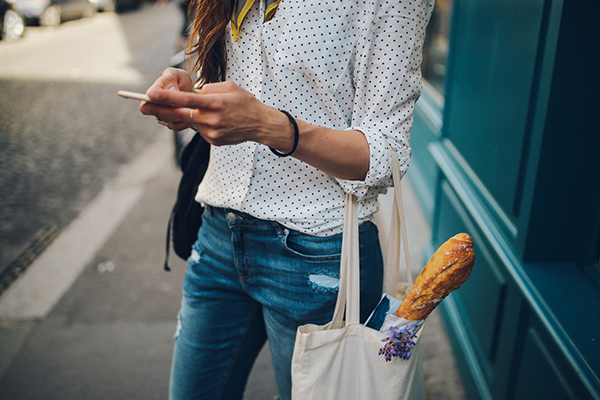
64	132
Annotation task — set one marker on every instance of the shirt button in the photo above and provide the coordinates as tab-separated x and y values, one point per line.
231	217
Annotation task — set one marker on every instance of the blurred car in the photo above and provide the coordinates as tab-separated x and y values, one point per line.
12	25
53	12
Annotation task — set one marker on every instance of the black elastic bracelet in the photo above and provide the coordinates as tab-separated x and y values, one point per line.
296	137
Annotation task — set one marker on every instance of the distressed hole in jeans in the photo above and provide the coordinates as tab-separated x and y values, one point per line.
179	326
195	256
324	283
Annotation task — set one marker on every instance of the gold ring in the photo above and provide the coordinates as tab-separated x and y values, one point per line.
194	127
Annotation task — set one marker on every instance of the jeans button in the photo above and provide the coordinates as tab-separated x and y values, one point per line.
231	217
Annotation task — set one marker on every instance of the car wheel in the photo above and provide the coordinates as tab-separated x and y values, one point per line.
13	27
51	17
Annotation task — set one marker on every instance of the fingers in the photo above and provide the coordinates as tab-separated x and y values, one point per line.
176	118
171	80
220	87
176	126
172	89
177	78
170	101
168	114
223	112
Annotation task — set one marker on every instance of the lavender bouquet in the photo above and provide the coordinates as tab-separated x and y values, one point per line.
401	333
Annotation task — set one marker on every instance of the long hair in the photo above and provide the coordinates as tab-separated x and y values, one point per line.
207	38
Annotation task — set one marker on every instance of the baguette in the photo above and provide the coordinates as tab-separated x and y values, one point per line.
446	271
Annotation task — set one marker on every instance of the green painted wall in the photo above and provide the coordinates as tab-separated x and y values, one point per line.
511	155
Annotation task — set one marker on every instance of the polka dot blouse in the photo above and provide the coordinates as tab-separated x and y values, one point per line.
341	64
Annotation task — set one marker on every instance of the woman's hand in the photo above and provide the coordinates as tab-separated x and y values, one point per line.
171	80
223	112
226	114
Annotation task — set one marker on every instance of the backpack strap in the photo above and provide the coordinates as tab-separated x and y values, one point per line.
168	243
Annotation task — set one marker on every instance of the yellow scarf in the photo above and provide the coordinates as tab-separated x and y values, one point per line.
241	9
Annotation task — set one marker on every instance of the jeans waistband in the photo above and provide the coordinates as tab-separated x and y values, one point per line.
238	218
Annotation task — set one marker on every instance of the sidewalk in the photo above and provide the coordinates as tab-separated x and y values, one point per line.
94	316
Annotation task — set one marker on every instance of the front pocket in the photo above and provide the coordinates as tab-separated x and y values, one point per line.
313	248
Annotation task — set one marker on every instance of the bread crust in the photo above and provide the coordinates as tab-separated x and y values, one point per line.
446	271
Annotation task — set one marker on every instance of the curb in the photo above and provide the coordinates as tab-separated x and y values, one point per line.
38	290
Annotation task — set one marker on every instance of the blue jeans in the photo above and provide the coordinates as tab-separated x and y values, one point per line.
249	280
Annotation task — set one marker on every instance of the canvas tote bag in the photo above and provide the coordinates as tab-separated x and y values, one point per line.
340	360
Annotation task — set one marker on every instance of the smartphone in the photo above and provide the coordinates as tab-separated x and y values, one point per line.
137	96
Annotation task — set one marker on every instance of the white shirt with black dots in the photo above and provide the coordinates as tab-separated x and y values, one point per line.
340	64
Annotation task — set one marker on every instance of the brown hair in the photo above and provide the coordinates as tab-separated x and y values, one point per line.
207	38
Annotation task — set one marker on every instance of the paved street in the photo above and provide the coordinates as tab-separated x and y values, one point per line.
110	336
64	131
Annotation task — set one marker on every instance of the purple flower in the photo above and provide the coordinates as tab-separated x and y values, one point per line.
400	343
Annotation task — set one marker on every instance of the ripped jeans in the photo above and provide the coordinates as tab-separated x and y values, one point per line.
249	280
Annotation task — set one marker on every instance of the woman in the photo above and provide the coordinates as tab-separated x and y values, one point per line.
345	74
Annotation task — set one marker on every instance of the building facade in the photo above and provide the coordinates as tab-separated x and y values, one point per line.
506	147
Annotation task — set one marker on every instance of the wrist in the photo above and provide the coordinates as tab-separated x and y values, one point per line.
296	137
278	132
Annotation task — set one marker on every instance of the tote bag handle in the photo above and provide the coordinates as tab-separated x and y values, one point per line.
349	287
397	235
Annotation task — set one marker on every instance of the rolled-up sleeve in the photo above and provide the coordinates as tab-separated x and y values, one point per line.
387	78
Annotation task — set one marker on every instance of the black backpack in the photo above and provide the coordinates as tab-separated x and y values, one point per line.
186	216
